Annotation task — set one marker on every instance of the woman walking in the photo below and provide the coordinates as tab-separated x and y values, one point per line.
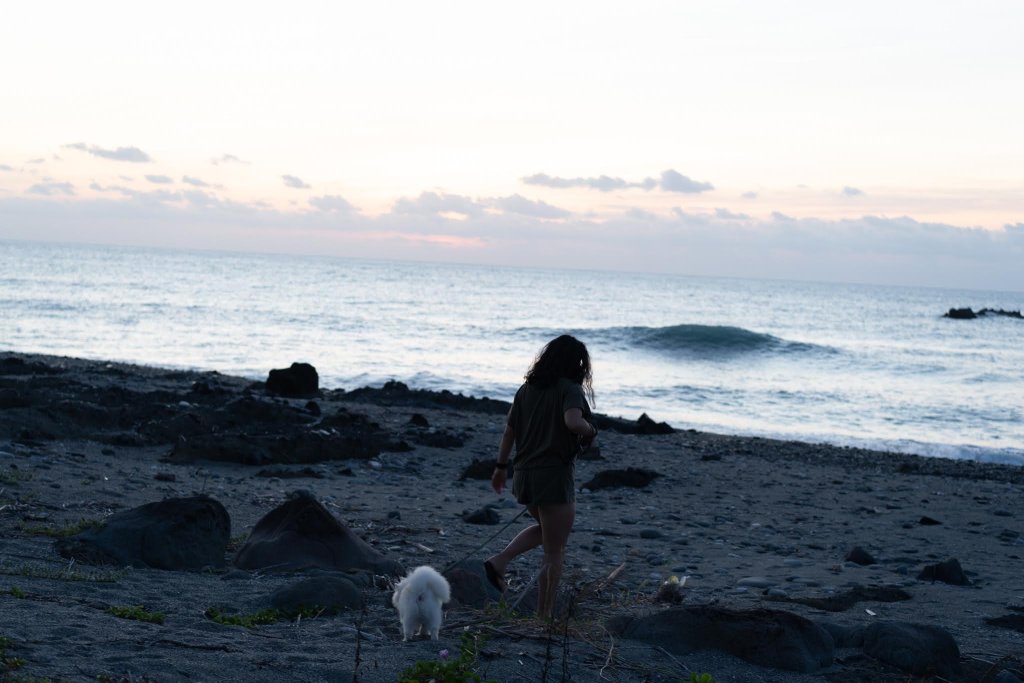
548	425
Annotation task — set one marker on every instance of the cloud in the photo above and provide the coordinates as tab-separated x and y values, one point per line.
200	198
40	160
727	215
749	195
519	204
518	231
641	215
51	189
5	167
150	198
292	181
194	182
160	179
227	159
671	181
132	154
601	183
332	203
852	192
434	204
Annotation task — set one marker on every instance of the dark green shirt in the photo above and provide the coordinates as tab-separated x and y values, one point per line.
538	422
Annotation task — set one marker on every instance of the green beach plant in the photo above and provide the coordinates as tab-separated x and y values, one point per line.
701	678
237	542
11	477
261	618
266	616
61	532
445	669
137	613
7	663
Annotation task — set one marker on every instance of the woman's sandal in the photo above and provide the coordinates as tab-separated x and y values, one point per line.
496	579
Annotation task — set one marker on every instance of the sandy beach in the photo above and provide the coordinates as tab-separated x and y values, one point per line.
748	525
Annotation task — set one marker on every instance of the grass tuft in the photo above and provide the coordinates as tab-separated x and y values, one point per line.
261	618
12	477
61	532
461	669
7	663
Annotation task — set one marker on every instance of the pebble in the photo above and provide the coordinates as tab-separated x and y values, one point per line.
777	593
650	533
755	582
804	581
793	563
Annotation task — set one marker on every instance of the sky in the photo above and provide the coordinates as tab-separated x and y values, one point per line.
875	142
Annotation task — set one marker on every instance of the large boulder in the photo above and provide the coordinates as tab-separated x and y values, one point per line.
633	477
469	584
300	534
770	638
646	425
329	594
298	381
175	534
915	648
949	572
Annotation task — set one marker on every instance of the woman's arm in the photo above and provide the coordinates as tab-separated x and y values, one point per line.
579	426
500	474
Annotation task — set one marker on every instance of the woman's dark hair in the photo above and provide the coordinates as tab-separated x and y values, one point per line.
564	356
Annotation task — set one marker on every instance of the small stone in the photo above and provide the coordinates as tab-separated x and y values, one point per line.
755	582
928	521
860	556
948	572
650	533
485	515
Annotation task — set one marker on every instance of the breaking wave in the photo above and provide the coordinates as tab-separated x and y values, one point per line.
704	340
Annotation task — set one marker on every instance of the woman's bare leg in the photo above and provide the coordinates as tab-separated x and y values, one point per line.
527	539
556	522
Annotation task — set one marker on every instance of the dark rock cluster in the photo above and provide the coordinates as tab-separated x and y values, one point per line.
970	314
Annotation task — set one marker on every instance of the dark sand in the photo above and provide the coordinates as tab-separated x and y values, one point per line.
727	511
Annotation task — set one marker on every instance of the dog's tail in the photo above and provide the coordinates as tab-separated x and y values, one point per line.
440	587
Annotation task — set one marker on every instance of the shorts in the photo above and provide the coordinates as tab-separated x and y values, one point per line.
545	485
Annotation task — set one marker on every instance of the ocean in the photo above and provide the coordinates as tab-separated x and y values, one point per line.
844	364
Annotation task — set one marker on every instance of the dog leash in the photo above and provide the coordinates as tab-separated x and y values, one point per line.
484	544
579	452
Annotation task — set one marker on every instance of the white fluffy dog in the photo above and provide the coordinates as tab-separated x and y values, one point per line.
418	598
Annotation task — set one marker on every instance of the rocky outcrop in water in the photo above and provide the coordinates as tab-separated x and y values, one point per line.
970	314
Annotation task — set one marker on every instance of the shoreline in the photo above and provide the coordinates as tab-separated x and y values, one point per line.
754	523
993	456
